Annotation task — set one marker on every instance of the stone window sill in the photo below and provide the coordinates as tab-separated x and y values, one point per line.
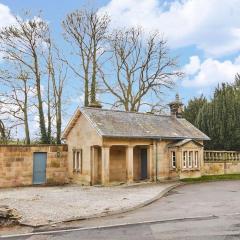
190	169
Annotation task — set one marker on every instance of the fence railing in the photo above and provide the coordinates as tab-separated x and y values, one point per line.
221	156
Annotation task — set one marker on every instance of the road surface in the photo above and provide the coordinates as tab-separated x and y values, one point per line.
197	211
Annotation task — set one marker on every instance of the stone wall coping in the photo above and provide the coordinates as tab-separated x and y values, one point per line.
32	145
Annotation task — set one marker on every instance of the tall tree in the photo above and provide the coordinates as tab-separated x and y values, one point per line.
87	31
14	95
4	133
23	43
142	67
193	108
57	70
220	118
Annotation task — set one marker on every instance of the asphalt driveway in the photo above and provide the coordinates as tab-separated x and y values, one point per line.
188	201
197	211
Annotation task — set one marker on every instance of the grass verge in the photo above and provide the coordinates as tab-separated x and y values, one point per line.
212	178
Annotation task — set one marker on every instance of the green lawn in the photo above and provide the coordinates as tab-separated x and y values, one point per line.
212	178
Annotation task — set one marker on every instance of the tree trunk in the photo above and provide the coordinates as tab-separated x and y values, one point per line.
94	71
44	137
86	91
49	132
59	119
25	112
27	134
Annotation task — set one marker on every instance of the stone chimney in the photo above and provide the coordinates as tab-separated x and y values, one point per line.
95	105
176	107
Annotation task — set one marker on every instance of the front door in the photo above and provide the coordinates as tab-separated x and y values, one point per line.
143	163
39	168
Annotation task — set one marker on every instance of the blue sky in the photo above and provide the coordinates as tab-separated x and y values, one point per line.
205	34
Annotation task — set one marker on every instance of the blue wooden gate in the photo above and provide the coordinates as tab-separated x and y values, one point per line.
39	168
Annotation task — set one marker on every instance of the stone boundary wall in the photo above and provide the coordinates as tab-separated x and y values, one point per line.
16	164
221	162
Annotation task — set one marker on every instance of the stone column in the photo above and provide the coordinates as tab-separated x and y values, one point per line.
154	160
129	158
150	162
92	165
94	161
105	165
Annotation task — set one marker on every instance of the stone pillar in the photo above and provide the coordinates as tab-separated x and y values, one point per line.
129	158
94	167
150	162
154	160
105	165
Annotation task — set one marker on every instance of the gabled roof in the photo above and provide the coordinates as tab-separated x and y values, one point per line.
112	123
183	142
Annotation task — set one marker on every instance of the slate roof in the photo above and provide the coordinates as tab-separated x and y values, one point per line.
111	123
183	142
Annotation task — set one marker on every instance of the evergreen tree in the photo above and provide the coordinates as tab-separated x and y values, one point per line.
192	109
220	117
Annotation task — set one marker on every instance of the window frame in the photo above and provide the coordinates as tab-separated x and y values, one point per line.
173	159
74	160
185	159
190	159
196	159
77	160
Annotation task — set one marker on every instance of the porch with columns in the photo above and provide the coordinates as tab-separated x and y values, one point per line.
122	163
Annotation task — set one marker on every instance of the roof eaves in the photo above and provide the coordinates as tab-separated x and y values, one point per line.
67	128
205	138
152	137
93	124
184	142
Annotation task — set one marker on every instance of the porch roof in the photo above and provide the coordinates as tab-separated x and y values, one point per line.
183	142
112	123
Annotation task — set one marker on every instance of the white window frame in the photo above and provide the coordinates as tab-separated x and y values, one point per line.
190	159
77	160
173	159
185	159
196	159
74	160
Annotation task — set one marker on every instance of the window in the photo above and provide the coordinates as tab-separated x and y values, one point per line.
196	159
185	159
173	157
77	160
190	158
74	161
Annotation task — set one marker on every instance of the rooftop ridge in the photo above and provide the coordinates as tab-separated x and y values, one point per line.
127	112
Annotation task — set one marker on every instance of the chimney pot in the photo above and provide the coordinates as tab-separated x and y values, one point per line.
176	107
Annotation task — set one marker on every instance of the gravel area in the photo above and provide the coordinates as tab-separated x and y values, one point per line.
48	205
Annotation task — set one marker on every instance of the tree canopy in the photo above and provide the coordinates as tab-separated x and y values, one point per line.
219	117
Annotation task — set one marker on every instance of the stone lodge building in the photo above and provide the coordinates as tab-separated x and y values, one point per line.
107	146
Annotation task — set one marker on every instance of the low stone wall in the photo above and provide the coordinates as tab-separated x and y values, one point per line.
16	164
220	168
221	162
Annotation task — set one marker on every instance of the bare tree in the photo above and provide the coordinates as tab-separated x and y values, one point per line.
14	100
57	70
24	43
4	133
142	67
87	31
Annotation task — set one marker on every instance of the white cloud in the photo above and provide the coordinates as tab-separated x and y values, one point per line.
210	72
6	17
210	25
193	66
